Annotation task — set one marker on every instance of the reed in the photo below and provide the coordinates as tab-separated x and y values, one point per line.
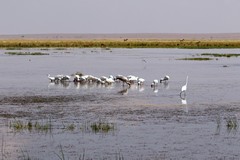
119	43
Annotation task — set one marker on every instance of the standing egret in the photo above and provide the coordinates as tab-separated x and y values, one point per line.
184	88
52	79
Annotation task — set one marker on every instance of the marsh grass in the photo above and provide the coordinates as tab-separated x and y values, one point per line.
118	43
61	155
98	127
14	48
26	53
25	155
231	124
196	59
70	127
228	55
19	125
101	127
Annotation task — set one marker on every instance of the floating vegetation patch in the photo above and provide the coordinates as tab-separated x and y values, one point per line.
26	53
13	48
98	127
232	124
36	99
102	127
69	127
196	59
19	125
220	55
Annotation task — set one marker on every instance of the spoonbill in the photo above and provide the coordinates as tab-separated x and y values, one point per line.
123	79
184	88
154	83
140	81
165	78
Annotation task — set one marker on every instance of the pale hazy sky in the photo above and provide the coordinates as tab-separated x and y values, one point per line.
119	16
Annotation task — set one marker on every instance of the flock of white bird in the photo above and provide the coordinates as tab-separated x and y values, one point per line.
126	80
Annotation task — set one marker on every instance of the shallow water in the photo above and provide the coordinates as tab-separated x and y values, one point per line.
148	123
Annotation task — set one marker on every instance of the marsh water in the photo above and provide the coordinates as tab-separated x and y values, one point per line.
146	123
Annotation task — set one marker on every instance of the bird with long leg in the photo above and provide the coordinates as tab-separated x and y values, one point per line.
184	89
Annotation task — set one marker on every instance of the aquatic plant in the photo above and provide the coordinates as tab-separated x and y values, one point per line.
13	48
61	156
25	156
26	53
70	127
19	125
101	127
220	55
231	123
195	59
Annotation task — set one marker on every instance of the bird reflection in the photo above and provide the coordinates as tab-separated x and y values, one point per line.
155	89
184	102
124	91
64	84
165	85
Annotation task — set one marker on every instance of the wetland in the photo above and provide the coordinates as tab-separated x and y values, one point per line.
40	119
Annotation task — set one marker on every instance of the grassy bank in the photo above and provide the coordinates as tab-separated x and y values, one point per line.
119	43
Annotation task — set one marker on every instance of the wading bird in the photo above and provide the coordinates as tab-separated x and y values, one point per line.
165	78
140	81
184	88
154	83
123	79
52	79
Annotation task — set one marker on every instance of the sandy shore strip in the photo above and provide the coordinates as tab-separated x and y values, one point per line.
159	36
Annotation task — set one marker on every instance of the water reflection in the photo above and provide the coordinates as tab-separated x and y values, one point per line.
184	103
123	91
231	124
165	85
64	84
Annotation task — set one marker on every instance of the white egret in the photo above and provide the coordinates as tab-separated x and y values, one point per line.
52	79
184	88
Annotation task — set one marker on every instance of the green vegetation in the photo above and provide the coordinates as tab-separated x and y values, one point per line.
101	127
119	43
18	125
220	55
231	123
195	59
26	53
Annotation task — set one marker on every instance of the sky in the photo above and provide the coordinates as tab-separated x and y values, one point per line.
119	16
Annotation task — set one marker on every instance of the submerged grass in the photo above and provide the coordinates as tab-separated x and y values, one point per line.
195	59
220	55
98	127
119	43
19	125
101	127
26	53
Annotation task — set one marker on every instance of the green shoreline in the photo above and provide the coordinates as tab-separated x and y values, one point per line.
119	43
